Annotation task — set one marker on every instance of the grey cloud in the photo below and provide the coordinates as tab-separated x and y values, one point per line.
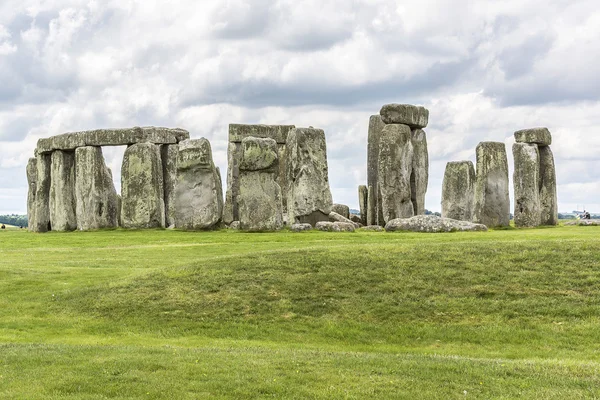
518	60
241	22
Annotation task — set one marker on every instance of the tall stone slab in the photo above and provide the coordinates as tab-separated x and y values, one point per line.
492	202
458	191
95	194
169	155
41	214
63	216
309	195
419	178
32	189
237	132
363	203
394	172
548	198
259	199
375	127
142	187
526	180
198	200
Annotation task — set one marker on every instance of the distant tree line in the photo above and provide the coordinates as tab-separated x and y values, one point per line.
14	219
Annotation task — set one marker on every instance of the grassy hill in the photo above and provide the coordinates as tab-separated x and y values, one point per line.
167	314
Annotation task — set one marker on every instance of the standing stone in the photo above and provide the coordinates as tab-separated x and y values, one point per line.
405	114
363	200
548	199
32	183
41	214
63	215
341	209
142	187
259	200
526	182
169	166
539	136
419	178
458	191
395	166
198	197
309	194
375	127
492	202
97	200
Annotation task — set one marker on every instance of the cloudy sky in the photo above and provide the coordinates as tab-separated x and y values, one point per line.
484	69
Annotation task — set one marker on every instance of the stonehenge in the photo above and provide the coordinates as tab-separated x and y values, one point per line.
458	191
363	203
62	202
492	202
341	209
397	163
534	179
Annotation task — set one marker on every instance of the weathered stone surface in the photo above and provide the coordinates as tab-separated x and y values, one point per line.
356	219
342	227
279	133
395	166
374	228
40	218
63	216
300	227
324	226
142	187
259	198
112	137
548	198
198	192
432	224
169	165
309	195
363	201
526	182
233	184
458	191
583	222
405	114
341	209
375	127
95	193
492	203
539	136
335	217
419	178
235	225
32	188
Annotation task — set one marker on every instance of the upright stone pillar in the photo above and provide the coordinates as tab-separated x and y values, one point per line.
458	191
363	200
169	165
492	202
41	214
548	198
198	200
142	190
97	200
309	195
32	184
419	178
63	216
259	199
526	182
375	127
394	172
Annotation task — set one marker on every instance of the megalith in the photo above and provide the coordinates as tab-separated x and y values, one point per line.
375	127
458	191
31	192
142	187
309	195
169	155
237	132
492	202
341	209
198	196
419	178
538	136
63	216
41	215
394	171
548	198
259	200
526	181
416	117
95	194
363	200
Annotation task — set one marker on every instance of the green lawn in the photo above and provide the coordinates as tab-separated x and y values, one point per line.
177	315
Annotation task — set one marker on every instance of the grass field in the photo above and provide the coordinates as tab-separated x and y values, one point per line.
176	315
